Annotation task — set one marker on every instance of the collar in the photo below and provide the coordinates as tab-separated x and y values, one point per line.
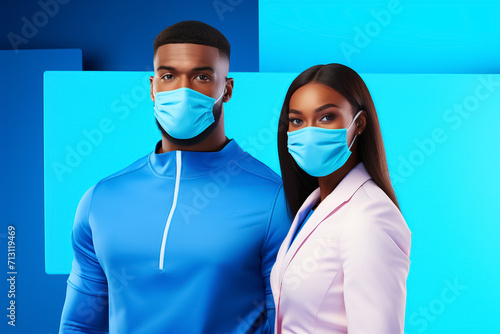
329	206
342	193
195	163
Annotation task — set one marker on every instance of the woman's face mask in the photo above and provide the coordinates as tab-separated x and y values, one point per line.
318	139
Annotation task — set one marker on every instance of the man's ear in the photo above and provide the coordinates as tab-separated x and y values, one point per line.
151	84
229	90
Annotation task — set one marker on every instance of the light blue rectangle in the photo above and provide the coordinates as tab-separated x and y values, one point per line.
95	123
381	36
440	149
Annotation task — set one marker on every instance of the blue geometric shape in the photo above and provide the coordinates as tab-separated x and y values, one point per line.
438	150
58	23
380	36
21	179
92	129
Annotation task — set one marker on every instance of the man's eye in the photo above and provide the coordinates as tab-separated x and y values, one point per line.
167	76
295	121
203	77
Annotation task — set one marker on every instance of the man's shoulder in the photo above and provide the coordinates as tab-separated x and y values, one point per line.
134	166
257	169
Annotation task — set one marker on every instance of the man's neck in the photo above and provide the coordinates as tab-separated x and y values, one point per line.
213	143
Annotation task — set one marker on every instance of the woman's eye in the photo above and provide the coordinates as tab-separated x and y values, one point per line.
295	121
327	117
167	76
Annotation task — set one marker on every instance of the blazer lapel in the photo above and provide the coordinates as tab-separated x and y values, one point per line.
331	204
311	200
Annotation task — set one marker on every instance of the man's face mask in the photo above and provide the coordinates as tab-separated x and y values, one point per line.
185	113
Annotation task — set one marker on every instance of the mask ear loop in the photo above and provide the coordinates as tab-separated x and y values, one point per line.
359	112
223	93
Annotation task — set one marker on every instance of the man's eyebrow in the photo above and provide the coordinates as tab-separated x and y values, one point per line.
203	68
196	69
168	68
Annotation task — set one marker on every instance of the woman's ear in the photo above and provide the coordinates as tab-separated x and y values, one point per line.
361	122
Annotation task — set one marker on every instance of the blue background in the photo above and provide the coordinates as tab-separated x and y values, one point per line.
391	36
448	190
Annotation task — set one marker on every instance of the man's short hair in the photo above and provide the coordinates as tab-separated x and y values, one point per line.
193	32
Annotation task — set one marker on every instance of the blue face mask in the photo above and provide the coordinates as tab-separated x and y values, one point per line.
319	151
184	113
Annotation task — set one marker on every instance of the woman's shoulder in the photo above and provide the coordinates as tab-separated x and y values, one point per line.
371	193
372	215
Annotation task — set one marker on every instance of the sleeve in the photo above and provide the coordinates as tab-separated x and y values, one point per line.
280	222
86	305
375	251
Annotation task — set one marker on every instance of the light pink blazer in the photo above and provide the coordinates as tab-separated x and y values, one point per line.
346	270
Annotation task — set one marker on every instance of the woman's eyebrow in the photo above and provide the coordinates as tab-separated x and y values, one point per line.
326	106
293	111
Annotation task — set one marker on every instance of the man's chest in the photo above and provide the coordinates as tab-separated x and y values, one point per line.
150	229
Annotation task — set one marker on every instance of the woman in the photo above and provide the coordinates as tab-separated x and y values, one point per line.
343	266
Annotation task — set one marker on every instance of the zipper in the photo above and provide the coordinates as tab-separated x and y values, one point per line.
172	209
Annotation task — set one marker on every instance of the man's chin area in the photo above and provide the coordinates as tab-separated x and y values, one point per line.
184	142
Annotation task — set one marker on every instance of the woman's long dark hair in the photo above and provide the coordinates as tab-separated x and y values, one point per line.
297	184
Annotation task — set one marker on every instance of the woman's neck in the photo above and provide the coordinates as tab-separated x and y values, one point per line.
328	183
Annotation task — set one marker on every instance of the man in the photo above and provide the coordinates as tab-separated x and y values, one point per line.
183	240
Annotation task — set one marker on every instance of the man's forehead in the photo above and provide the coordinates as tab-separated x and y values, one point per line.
187	51
187	57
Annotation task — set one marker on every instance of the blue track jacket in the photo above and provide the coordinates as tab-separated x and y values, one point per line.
179	242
